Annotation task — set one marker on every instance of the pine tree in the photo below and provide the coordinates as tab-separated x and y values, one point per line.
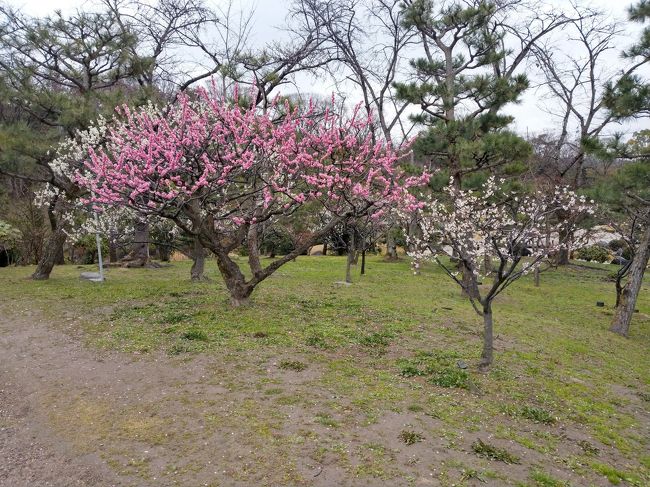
630	97
462	84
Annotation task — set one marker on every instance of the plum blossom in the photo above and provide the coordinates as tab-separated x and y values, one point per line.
492	223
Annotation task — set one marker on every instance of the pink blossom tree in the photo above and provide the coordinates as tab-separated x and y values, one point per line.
490	223
221	172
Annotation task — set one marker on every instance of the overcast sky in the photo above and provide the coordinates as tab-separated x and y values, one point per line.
269	16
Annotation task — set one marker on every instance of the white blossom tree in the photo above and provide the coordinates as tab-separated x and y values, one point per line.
493	222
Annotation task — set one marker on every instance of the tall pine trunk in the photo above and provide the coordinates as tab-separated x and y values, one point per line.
630	292
59	258
487	264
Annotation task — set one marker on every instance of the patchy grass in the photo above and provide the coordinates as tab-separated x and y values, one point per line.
195	334
440	367
542	479
538	415
492	452
614	475
391	353
294	365
410	437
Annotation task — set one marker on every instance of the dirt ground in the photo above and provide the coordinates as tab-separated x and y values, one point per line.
75	416
42	370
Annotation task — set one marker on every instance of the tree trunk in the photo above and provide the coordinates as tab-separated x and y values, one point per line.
625	309
112	249
413	230
252	242
391	246
351	257
487	264
363	262
325	248
564	254
235	281
562	257
620	275
59	257
470	287
50	253
488	339
164	252
139	255
198	261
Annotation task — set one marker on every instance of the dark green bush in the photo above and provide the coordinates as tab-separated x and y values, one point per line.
593	253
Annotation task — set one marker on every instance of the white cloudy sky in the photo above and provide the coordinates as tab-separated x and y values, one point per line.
269	16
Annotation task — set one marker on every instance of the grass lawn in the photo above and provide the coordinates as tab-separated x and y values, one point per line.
317	383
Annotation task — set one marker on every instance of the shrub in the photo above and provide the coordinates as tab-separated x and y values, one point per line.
277	241
616	244
620	244
593	253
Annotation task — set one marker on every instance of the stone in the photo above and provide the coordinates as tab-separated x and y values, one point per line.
91	276
316	250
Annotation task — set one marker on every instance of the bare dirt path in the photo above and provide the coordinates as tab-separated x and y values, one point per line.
71	415
34	360
51	389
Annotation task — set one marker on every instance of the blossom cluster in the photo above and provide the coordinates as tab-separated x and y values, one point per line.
493	222
206	157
